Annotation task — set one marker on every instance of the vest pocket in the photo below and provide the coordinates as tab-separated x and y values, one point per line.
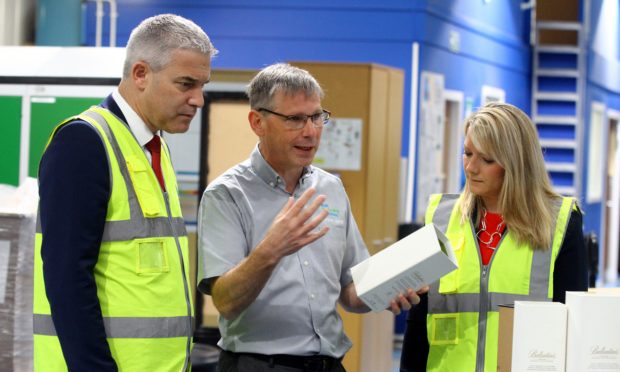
152	257
444	329
144	184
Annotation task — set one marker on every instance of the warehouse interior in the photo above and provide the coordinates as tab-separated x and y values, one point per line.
404	74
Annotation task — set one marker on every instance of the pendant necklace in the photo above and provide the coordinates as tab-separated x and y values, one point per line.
497	232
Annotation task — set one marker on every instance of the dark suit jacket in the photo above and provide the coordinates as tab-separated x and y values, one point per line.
74	188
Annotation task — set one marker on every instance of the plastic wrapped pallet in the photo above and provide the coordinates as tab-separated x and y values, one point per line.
17	228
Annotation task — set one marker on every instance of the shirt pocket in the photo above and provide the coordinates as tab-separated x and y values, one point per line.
142	182
444	329
151	257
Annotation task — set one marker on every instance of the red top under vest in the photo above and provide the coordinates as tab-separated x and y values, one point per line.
489	238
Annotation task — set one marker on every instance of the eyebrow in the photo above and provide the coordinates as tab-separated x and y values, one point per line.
194	80
188	78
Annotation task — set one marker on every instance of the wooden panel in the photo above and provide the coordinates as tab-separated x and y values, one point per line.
231	140
374	94
375	162
232	76
393	154
378	340
557	10
347	95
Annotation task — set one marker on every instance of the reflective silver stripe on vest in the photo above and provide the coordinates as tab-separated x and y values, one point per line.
149	227
124	327
128	230
442	214
470	302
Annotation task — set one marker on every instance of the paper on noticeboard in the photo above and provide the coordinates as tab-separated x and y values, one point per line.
341	145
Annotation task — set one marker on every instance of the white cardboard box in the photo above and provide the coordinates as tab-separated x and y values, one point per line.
593	332
539	336
418	259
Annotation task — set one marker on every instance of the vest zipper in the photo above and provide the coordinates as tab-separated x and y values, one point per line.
482	321
484	303
185	285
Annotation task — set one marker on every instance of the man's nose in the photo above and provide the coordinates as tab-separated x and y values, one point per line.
197	98
309	127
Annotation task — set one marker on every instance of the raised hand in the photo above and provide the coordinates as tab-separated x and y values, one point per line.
293	227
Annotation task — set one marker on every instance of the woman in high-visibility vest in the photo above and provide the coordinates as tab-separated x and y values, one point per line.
514	237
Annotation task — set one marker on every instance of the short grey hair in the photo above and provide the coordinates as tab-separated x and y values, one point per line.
281	77
156	38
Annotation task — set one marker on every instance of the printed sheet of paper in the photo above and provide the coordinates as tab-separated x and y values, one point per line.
341	145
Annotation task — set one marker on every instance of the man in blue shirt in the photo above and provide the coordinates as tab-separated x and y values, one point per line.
278	239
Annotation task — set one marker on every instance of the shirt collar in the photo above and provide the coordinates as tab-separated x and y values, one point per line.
138	127
269	175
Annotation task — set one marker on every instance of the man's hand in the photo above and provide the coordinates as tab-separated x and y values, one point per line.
292	228
405	301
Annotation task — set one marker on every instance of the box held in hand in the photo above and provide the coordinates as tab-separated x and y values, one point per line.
418	259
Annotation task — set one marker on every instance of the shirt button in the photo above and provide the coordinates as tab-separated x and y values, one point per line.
306	263
312	296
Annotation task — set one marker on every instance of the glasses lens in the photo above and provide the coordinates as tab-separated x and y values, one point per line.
297	121
325	115
317	119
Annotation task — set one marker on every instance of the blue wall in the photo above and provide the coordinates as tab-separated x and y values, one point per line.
251	34
603	85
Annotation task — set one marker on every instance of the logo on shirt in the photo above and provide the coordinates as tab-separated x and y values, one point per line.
331	212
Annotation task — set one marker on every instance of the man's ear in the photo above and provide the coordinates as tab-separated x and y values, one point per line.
256	122
140	73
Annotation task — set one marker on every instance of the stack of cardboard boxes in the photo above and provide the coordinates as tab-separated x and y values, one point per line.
17	229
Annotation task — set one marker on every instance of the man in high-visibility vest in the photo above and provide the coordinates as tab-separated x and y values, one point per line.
111	284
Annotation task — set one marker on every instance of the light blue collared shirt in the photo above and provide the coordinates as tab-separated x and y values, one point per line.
295	313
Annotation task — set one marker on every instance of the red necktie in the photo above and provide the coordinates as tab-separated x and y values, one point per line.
154	147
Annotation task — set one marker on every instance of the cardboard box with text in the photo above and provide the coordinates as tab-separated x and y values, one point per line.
418	259
539	336
504	338
593	334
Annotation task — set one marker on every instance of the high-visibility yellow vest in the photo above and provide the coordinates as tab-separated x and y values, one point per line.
142	273
462	320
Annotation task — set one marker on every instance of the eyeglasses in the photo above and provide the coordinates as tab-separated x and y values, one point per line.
299	121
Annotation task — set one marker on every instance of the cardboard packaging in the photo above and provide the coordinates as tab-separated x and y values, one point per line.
16	280
18	208
504	338
418	259
593	332
539	336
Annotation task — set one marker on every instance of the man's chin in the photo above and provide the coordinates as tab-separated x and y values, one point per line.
177	128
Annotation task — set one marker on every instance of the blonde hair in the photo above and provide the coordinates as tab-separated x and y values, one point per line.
526	199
